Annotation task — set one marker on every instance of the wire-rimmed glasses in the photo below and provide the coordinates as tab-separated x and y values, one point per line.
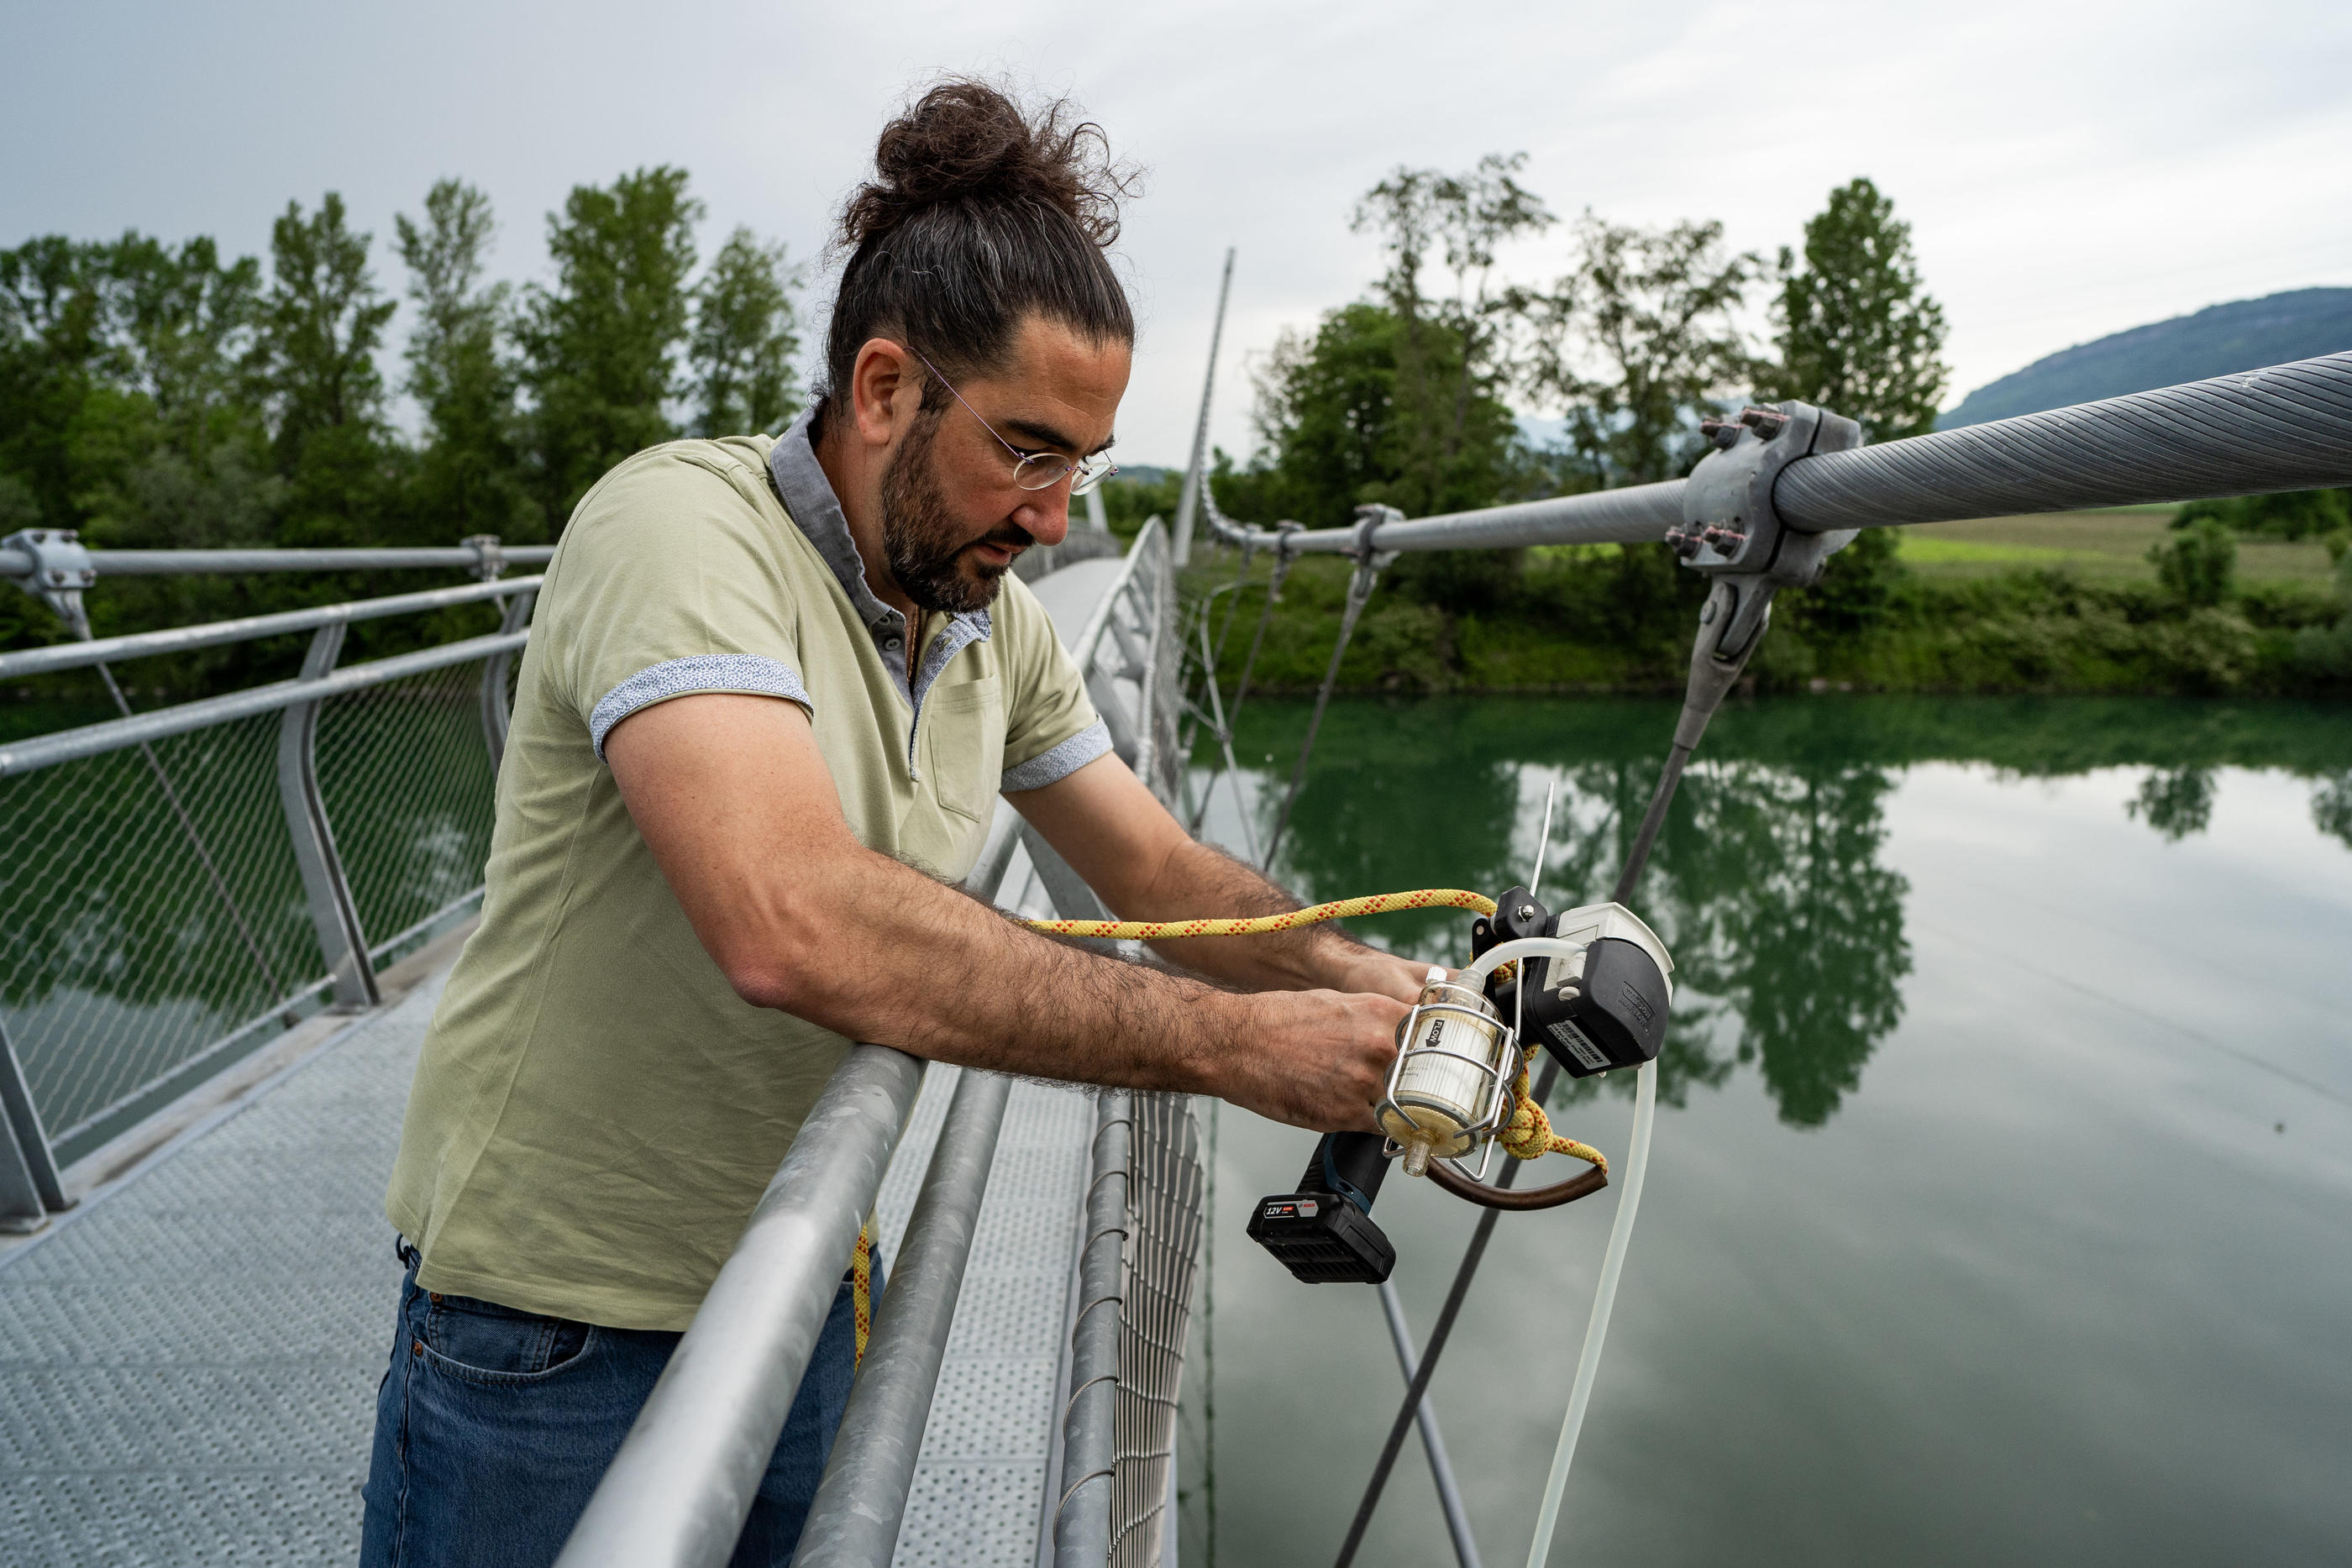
1036	470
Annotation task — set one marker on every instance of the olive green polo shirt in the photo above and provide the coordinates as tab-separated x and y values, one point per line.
596	1111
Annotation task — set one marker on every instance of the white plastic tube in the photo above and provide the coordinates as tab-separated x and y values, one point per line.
1493	958
1612	1265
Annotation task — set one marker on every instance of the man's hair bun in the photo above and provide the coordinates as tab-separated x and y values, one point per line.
964	141
981	212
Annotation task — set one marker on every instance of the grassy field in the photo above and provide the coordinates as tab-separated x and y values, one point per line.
2101	547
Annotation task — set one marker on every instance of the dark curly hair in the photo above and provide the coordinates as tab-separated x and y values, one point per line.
980	211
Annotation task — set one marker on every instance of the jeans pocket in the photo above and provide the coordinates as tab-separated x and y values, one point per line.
482	1342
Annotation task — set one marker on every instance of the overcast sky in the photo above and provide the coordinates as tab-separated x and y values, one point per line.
2071	167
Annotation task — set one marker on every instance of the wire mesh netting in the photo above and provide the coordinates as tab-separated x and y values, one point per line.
154	924
1165	1182
149	907
404	769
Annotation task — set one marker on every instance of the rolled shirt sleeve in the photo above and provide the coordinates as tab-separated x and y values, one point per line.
669	590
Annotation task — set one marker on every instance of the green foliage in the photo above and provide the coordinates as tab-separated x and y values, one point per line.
318	330
1856	591
1858	333
2326	650
745	334
2287	515
2201	564
600	349
1338	432
1640	342
1129	500
469	475
1448	357
1573	622
159	395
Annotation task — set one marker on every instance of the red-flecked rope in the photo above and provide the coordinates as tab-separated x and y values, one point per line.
861	1287
1527	1135
1265	924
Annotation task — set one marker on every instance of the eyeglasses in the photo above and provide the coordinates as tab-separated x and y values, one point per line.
1036	470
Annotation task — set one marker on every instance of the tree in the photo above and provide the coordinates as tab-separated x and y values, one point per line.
169	445
745	335
1452	349
1858	333
320	326
53	344
2200	563
184	327
469	477
600	347
1640	342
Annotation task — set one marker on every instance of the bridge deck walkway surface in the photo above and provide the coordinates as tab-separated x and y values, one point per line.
188	1361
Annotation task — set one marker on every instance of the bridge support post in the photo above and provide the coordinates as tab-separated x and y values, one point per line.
30	1190
495	711
334	916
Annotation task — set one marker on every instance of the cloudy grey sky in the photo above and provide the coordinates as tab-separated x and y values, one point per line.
2071	167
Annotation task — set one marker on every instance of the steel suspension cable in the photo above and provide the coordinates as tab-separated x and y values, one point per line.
1359	593
1282	563
196	840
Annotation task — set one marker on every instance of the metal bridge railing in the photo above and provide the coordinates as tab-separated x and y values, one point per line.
181	883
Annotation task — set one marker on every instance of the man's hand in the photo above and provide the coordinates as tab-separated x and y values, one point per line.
1382	973
1322	1060
737	806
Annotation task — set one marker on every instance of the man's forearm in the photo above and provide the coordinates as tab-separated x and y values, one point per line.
737	807
1199	879
885	953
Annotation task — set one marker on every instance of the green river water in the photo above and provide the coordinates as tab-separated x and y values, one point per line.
2000	1209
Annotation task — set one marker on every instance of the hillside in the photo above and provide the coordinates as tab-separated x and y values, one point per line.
2241	336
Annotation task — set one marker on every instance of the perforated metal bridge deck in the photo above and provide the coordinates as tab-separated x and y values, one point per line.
188	1364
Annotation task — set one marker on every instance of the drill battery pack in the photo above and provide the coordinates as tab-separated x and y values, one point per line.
1322	1238
1324	1233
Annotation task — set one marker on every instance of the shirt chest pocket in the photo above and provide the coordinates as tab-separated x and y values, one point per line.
963	745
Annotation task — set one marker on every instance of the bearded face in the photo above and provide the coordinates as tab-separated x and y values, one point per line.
929	551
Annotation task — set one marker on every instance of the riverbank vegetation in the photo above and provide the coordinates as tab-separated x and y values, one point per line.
1449	387
156	395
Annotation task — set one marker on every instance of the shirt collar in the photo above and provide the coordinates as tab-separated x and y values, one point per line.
808	495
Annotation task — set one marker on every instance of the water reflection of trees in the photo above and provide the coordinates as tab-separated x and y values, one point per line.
1765	884
2175	801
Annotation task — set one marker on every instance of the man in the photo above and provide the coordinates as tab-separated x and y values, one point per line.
772	694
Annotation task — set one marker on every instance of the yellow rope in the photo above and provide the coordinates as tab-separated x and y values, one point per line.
1266	924
861	1288
1527	1135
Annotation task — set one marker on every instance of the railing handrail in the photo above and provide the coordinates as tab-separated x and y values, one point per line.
1090	635
178	563
2285	427
119	734
26	661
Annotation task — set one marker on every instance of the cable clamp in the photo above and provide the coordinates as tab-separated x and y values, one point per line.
61	570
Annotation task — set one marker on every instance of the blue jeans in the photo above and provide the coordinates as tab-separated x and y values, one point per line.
493	1426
